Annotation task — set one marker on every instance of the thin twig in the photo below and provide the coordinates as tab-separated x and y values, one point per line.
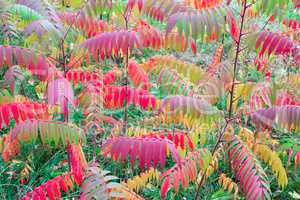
229	119
126	18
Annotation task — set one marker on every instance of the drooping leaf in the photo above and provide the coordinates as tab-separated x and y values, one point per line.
191	166
87	25
51	188
95	78
138	76
171	83
50	132
287	117
98	184
203	4
260	97
154	38
264	118
285	98
228	184
188	70
180	139
22	111
140	181
297	160
233	26
212	67
116	96
83	77
269	7
275	43
160	10
247	170
185	104
60	92
94	8
111	43
38	64
42	27
25	13
77	161
14	78
292	24
272	158
198	24
150	151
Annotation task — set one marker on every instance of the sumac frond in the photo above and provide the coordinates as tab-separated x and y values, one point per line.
111	43
214	162
60	92
262	151
191	166
42	27
269	7
228	184
38	64
172	84
52	188
264	118
179	138
203	4
22	111
14	78
152	37
274	43
260	98
138	76
192	72
247	170
285	98
160	10
87	25
98	184
150	151
162	119
115	97
273	160
77	162
140	181
129	194
34	5
49	132
198	24
287	117
212	67
25	13
94	8
187	105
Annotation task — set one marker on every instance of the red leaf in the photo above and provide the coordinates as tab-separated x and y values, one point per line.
194	46
49	190
234	30
147	149
164	188
6	114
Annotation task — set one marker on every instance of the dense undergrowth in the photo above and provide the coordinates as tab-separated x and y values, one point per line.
149	99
